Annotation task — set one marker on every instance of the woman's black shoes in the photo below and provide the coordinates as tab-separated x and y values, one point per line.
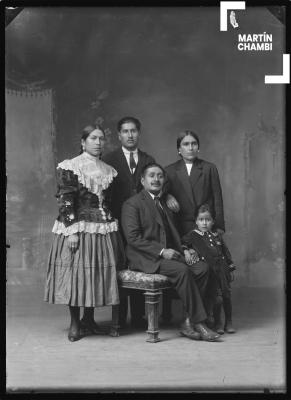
92	327
85	328
74	335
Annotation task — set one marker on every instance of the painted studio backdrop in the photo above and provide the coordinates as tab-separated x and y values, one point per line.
173	69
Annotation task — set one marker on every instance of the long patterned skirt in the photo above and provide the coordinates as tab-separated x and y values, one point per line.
86	278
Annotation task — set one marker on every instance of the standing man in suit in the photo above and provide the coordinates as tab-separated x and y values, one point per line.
194	182
128	160
153	246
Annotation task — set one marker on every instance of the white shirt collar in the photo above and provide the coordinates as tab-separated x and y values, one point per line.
154	195
189	167
127	152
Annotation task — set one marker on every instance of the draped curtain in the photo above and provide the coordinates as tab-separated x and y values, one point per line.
30	170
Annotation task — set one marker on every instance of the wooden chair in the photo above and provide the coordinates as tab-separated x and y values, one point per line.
153	286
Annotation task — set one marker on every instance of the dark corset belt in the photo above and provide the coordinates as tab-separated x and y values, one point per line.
94	215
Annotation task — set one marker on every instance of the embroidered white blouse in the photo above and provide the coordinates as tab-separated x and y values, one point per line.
84	196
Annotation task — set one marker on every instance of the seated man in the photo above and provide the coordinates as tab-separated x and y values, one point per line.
153	246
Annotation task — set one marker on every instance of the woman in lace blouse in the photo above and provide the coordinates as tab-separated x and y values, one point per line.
87	248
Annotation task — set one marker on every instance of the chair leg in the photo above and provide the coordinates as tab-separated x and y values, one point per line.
114	328
152	300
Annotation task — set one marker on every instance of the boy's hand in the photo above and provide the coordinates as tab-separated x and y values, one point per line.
188	257
194	256
191	257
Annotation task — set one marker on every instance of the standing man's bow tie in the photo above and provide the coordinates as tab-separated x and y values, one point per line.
132	163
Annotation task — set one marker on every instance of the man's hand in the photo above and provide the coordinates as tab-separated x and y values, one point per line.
171	254
172	203
73	242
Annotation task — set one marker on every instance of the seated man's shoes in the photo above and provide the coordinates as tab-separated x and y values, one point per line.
206	333
229	328
188	331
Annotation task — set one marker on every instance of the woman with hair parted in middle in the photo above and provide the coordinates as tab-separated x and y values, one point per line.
87	248
193	182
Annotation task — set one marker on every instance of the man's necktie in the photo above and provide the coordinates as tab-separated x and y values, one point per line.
132	163
160	208
162	212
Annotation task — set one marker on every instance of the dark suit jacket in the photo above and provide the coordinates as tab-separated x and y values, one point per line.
125	185
199	243
145	233
202	187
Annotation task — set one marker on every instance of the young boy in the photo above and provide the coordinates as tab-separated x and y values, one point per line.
210	247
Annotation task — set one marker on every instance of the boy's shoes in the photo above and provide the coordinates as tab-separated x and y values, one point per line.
219	329
229	328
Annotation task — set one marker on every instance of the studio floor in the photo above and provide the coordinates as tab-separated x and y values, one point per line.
41	359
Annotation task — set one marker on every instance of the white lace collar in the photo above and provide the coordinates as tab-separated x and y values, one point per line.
203	233
199	232
93	173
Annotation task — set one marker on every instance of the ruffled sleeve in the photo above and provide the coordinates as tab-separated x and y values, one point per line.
66	196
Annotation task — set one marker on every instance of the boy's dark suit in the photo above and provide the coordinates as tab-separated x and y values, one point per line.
197	241
146	234
124	186
202	186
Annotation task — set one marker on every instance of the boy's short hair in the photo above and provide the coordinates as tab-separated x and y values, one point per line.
202	209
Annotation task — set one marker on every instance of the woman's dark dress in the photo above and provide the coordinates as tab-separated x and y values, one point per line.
86	277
